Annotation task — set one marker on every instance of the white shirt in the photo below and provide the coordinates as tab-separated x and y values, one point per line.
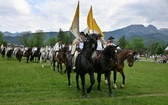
99	45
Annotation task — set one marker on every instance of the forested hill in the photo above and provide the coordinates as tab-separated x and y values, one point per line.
149	34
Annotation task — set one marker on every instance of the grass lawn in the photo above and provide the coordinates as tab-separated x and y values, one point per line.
29	83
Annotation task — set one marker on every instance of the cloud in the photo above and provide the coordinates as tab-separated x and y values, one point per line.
51	15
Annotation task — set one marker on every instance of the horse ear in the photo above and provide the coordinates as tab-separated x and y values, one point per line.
134	52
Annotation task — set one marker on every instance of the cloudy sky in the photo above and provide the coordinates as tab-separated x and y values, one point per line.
51	15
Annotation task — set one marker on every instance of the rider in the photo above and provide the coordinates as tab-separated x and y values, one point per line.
77	46
111	42
99	48
58	46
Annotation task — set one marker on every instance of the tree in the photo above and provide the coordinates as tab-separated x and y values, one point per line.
24	39
159	50
136	44
2	41
122	42
37	39
1	37
153	47
66	38
52	41
61	35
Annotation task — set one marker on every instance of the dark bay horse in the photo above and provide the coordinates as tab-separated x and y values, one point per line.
84	63
103	64
122	56
62	58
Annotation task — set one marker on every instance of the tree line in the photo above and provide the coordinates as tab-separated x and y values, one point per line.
37	39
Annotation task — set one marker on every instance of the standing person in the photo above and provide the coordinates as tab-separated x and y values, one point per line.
77	46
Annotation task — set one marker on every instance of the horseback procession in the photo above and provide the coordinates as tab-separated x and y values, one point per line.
89	53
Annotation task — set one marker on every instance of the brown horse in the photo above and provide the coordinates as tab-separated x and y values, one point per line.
122	56
62	58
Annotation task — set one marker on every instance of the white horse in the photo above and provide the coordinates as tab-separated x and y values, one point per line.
52	58
44	57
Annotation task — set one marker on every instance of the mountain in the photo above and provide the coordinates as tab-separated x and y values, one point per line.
149	34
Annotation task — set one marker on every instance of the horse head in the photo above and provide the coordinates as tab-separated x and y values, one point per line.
110	52
131	58
90	41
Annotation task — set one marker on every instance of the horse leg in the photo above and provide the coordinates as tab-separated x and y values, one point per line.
108	74
83	84
99	80
53	65
77	81
92	81
123	77
68	75
58	66
61	68
115	77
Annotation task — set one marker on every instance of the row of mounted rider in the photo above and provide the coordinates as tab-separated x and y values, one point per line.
29	54
104	63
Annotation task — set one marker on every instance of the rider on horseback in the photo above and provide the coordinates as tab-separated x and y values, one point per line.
58	46
100	46
77	46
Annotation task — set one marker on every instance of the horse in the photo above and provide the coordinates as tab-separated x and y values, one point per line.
103	64
19	55
9	54
84	63
44	56
52	58
27	54
122	56
62	58
3	52
35	56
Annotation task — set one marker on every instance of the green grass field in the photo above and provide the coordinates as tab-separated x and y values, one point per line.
22	83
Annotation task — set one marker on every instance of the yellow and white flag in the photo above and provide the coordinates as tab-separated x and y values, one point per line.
90	20
97	28
74	29
92	25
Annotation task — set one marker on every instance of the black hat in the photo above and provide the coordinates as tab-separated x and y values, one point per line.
82	33
111	38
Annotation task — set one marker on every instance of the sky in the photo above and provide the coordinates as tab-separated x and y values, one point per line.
52	15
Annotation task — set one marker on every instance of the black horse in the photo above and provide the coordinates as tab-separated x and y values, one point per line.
35	57
27	54
9	54
84	63
3	52
19	55
103	64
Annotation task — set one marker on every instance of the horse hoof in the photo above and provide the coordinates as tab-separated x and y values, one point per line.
85	95
111	95
122	86
106	82
115	86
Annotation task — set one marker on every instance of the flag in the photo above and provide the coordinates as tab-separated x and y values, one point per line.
74	29
90	20
97	28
